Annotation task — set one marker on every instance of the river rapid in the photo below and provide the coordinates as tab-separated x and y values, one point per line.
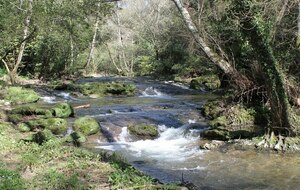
175	156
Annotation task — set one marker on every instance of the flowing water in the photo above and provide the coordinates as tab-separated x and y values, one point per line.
175	155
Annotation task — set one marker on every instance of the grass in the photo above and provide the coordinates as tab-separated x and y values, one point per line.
55	165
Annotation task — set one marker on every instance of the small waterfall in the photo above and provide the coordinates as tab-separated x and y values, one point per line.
172	145
152	92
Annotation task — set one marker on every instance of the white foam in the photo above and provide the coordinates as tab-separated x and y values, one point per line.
172	145
154	93
49	99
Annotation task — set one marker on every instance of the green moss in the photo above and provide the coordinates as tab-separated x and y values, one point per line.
56	125
216	134
28	110
101	89
209	82
213	109
15	118
42	136
23	127
219	121
86	125
63	110
143	130
20	95
58	85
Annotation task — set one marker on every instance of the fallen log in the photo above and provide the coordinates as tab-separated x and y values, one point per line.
82	106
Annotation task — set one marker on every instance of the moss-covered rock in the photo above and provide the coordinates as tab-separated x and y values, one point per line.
143	130
113	88
42	136
63	110
15	118
230	121
59	85
86	125
56	125
77	138
216	134
20	95
24	113
234	116
209	82
29	110
23	127
213	109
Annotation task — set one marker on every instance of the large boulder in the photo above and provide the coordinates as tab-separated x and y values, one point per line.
143	130
20	95
29	110
101	89
56	125
230	121
86	125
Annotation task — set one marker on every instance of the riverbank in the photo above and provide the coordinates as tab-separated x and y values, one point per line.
54	164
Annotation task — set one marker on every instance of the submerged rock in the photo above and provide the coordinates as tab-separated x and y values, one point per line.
210	145
20	95
143	130
86	125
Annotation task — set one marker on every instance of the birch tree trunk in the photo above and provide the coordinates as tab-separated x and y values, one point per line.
93	44
13	73
241	81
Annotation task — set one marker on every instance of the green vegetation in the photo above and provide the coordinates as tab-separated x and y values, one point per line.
231	121
113	88
45	161
208	82
20	95
86	125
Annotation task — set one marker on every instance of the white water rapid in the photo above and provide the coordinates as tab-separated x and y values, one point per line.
151	92
172	145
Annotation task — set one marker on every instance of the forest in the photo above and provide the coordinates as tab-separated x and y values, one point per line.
228	69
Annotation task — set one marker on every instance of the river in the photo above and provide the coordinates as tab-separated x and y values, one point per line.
175	155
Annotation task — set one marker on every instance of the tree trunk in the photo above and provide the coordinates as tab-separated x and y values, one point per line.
298	39
241	81
72	52
121	53
274	83
13	73
93	44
